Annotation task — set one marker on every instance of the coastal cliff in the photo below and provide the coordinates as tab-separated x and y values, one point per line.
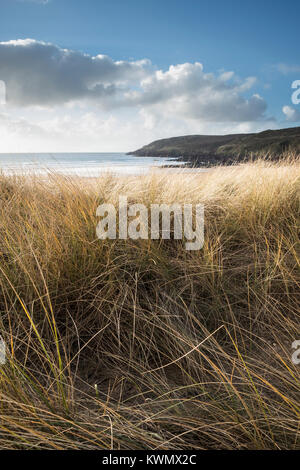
225	149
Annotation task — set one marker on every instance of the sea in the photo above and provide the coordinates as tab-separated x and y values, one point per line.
80	164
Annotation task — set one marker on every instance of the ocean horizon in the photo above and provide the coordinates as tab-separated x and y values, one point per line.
88	164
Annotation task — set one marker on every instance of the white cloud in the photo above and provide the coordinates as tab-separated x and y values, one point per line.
186	91
291	114
39	73
64	100
286	69
95	132
42	2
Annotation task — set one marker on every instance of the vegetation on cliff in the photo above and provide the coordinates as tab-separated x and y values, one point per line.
224	149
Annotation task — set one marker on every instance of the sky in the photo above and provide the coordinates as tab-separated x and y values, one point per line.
104	76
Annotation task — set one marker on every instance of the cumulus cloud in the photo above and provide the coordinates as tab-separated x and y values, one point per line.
39	73
291	114
64	100
187	91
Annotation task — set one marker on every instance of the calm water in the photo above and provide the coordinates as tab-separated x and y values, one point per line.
81	164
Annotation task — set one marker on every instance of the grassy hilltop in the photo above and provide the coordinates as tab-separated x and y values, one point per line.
123	344
212	149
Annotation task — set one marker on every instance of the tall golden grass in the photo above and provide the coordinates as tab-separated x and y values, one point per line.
141	344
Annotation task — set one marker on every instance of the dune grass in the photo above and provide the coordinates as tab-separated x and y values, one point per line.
141	344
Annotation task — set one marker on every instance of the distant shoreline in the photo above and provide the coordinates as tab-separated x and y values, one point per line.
208	150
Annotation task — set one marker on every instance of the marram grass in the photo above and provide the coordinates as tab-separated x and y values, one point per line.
142	344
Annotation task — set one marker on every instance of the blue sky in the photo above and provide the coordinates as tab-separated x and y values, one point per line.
256	42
